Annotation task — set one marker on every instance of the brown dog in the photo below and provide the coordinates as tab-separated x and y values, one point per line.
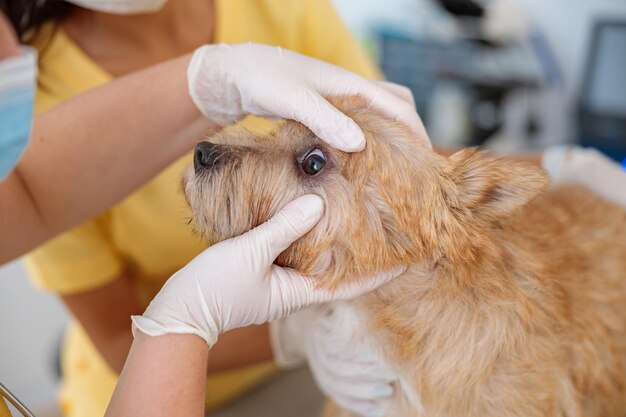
514	303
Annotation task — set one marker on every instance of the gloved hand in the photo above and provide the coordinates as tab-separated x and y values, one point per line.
346	369
586	167
227	82
235	283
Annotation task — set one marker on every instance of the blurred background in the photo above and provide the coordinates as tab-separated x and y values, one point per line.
511	75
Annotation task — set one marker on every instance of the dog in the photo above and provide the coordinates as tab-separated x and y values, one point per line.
514	300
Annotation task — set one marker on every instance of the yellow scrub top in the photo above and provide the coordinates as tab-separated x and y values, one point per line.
147	233
4	410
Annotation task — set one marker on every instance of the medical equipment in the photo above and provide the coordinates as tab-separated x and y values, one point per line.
602	104
12	399
485	77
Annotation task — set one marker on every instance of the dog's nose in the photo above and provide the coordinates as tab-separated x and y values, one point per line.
205	155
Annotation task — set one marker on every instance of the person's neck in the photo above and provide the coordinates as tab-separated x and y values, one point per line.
122	44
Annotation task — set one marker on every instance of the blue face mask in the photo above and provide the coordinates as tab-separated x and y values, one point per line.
17	91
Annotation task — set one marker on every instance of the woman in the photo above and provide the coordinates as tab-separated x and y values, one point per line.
110	268
263	292
69	171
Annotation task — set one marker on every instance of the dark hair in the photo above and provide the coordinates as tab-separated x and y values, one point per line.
27	16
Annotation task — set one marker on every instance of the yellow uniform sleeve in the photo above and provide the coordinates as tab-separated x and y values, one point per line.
76	261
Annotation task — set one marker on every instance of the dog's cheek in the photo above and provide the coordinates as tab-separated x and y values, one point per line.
308	255
327	251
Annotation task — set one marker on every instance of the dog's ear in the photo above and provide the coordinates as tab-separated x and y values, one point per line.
494	188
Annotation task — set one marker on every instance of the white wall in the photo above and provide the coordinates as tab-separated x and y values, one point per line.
568	24
31	325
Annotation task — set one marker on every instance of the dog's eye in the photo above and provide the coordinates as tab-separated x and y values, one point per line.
313	162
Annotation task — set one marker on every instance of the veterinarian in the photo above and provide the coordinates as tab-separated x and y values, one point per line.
34	197
110	267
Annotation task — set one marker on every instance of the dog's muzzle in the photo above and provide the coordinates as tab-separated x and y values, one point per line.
206	155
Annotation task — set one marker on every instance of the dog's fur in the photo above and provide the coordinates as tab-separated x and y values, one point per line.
514	303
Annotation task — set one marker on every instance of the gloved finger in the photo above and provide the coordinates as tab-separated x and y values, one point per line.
352	369
353	389
294	291
353	383
288	225
397	108
326	351
363	408
380	98
399	90
290	290
346	384
297	291
552	161
598	173
586	167
327	122
355	289
349	391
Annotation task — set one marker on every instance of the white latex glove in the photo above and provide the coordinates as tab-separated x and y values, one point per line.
346	370
235	283
227	82
586	167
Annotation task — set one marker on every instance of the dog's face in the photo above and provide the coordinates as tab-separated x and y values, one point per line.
395	203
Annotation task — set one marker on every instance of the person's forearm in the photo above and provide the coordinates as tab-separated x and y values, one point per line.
9	46
234	349
241	347
92	151
145	386
163	376
104	313
115	351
